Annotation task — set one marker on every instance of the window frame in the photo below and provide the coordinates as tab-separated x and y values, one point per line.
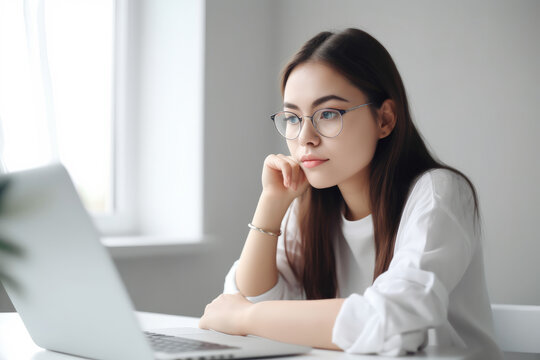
146	33
121	221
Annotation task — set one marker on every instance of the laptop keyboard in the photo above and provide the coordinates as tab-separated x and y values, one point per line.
173	344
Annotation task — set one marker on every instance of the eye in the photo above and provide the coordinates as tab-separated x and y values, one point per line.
328	115
292	119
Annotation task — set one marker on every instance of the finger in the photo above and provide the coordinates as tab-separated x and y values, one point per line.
296	172
303	177
286	170
280	164
303	181
300	176
272	161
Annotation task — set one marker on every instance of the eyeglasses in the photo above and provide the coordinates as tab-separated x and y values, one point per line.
327	122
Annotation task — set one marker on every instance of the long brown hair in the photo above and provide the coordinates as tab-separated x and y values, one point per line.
399	159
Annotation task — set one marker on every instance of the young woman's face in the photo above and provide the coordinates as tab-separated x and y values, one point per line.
340	160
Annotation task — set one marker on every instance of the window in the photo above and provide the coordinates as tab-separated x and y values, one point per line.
113	90
56	77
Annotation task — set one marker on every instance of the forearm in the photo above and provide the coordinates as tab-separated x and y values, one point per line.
305	322
257	271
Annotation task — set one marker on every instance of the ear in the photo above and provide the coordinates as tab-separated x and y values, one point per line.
387	118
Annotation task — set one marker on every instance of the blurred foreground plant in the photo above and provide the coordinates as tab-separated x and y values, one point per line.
6	247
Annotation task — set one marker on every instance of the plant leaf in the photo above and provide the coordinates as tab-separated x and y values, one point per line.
7	280
4	184
9	248
6	246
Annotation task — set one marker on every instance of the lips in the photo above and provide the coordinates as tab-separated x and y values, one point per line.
310	161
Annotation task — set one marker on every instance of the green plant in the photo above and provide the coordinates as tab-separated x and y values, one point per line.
6	247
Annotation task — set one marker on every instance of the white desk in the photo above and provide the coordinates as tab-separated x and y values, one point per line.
16	344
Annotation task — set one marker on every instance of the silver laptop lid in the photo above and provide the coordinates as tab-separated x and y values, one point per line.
69	294
62	266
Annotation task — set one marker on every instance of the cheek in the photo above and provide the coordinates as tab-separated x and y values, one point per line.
349	157
361	151
355	156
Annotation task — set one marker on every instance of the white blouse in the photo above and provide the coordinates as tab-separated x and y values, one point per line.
434	291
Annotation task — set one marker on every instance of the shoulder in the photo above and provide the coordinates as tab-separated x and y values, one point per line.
438	196
441	195
441	187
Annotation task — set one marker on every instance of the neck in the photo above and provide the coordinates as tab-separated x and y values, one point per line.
355	192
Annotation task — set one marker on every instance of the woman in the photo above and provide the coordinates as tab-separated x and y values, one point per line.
380	250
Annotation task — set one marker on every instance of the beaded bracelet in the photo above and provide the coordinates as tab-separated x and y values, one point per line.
253	227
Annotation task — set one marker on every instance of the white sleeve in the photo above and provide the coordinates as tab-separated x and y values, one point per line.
434	246
287	286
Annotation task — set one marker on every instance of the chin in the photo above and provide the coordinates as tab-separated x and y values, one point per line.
319	183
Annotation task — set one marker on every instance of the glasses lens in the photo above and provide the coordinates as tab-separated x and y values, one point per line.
288	124
328	122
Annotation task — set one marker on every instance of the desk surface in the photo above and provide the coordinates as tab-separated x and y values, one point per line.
16	344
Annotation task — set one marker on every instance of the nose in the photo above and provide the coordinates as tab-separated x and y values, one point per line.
308	135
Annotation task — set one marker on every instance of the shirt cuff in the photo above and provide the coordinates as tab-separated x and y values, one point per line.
357	328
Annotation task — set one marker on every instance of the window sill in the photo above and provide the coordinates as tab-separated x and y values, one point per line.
145	246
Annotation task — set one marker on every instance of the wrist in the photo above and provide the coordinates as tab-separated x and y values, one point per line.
246	320
270	212
278	199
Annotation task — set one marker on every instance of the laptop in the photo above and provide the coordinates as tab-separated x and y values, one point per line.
68	292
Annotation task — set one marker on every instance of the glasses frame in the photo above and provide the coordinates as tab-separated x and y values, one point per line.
301	118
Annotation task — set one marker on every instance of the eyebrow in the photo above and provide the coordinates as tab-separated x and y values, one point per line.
317	102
